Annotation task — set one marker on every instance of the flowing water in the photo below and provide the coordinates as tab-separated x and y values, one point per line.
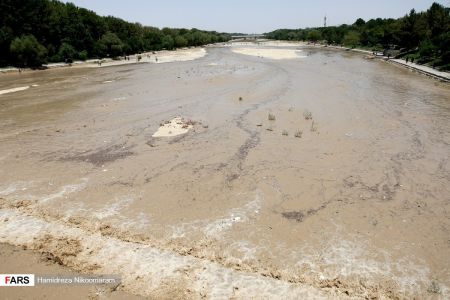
240	206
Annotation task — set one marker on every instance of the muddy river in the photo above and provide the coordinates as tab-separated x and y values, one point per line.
323	175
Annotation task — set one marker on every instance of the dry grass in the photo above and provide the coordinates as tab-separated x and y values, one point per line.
271	117
298	134
285	133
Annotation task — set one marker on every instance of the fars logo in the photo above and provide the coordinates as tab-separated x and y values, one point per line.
16	279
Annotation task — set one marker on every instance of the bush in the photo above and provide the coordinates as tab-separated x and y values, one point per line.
271	117
55	58
28	51
307	114
67	53
352	39
110	45
83	55
180	41
167	42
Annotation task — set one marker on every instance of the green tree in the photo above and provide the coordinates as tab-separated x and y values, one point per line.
110	44
167	42
6	37
67	52
426	49
360	23
83	55
352	39
180	41
315	35
54	23
28	52
438	19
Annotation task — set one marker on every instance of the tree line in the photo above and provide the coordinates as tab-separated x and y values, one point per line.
424	36
34	32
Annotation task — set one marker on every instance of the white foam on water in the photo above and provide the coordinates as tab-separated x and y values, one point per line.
180	230
143	268
235	215
65	190
140	222
247	251
13	90
214	228
15	187
112	209
340	258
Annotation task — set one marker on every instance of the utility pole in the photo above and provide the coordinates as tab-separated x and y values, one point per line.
325	21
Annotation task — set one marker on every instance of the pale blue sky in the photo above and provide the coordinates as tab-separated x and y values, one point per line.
251	16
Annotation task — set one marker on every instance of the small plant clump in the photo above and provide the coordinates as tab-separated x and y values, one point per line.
298	134
240	98
313	127
285	133
271	117
307	114
434	288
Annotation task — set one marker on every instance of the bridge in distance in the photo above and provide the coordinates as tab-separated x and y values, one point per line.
248	37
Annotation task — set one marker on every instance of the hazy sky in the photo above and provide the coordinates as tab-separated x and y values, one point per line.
251	16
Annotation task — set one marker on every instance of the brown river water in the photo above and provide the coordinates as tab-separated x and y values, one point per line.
357	207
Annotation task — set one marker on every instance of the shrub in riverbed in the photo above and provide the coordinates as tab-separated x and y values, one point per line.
313	127
307	114
434	288
298	134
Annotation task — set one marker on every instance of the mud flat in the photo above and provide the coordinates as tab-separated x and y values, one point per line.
156	57
272	53
326	176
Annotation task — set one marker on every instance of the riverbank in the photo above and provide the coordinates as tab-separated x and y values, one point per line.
155	57
424	70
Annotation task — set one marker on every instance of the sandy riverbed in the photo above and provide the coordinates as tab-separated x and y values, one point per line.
153	57
272	53
241	206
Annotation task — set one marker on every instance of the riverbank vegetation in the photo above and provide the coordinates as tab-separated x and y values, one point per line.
422	36
35	32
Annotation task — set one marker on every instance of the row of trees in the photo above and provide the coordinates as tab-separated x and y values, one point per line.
424	35
33	32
